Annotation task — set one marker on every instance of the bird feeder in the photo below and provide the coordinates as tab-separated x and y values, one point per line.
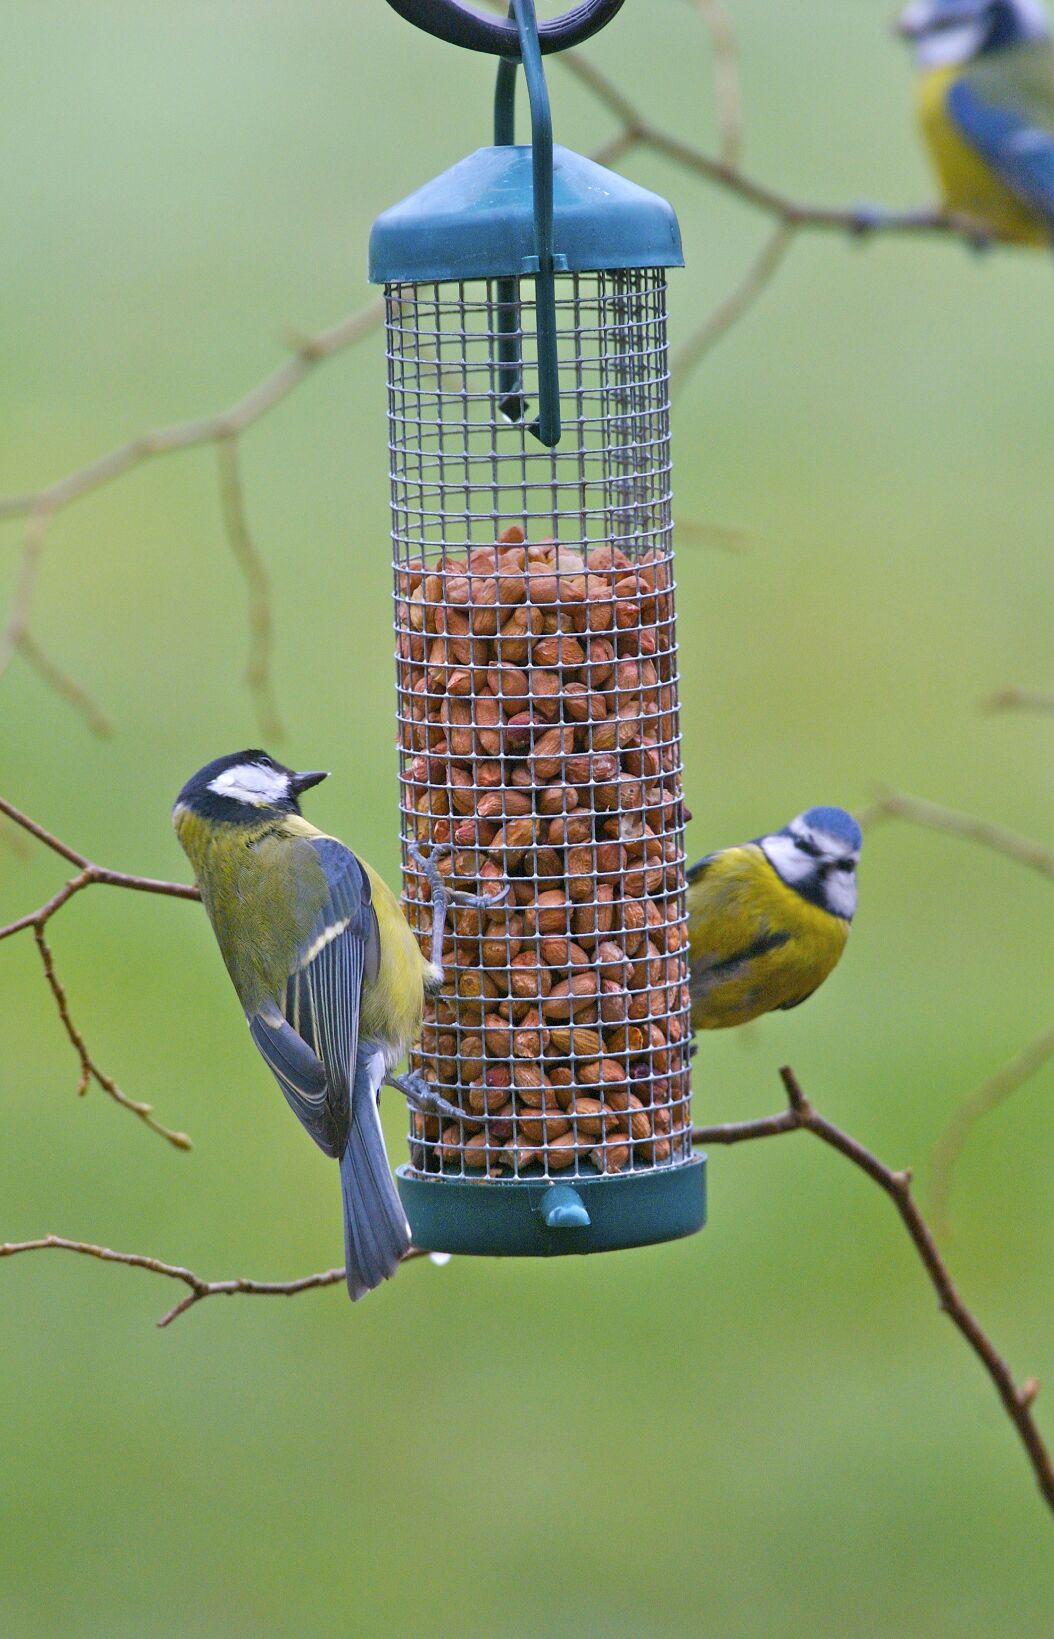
539	739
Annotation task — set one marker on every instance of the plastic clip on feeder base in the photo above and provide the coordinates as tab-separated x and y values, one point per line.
530	1218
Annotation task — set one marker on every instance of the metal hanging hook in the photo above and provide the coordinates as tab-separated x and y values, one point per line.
461	25
512	403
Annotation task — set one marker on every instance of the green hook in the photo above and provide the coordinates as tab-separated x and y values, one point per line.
510	380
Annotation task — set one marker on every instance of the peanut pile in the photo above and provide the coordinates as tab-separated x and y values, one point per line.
539	744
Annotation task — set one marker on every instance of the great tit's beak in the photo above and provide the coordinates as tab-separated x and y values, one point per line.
304	782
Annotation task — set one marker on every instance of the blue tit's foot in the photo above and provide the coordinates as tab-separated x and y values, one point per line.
865	219
422	1096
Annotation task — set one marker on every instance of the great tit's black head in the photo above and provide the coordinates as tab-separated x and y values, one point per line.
245	786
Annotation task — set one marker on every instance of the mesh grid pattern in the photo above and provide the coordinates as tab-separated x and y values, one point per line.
539	740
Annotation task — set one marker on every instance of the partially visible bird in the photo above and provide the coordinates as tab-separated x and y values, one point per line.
985	102
330	976
768	920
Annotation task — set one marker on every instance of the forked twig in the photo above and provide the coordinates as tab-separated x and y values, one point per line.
800	1116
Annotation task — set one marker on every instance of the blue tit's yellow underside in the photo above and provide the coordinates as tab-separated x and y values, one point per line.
755	944
1019	80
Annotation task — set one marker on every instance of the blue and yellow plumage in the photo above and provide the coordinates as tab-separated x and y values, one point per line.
330	977
768	920
985	98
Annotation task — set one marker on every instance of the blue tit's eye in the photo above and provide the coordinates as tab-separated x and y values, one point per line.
807	846
846	865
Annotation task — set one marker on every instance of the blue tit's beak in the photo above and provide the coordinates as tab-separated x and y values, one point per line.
304	782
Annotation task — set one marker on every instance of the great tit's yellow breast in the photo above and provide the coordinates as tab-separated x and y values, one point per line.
393	1003
260	909
967	181
738	908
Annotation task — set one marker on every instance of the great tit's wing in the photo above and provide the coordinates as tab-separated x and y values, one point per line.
313	1050
299	1072
1014	141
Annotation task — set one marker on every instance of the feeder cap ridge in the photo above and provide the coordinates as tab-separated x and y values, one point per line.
476	221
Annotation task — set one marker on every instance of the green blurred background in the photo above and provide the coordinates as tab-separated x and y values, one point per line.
766	1430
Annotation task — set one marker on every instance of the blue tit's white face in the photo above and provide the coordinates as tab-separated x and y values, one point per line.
258	784
946	33
817	855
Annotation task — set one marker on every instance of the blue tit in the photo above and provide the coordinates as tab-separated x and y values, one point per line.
329	974
985	96
767	921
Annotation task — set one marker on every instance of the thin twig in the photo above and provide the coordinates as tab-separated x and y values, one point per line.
1011	699
728	92
732	308
41	505
994	1091
800	1115
258	667
199	1288
725	537
898	805
65	686
88	875
854	220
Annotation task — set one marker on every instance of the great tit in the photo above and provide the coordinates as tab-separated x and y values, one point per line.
768	920
330	976
985	97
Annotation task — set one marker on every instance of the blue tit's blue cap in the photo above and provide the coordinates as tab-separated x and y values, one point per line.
476	221
836	823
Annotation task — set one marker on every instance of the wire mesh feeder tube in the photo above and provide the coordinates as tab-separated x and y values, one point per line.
539	745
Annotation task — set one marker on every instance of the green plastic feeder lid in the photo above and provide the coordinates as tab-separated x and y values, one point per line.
476	221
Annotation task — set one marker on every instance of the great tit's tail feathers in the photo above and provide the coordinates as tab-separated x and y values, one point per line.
376	1233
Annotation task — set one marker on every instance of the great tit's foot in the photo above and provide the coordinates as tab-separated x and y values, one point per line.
422	1096
440	887
429	864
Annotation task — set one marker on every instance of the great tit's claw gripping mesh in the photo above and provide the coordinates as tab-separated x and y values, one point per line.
443	895
418	1092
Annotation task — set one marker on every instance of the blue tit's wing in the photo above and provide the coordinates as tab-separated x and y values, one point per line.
310	1038
694	872
705	972
1016	143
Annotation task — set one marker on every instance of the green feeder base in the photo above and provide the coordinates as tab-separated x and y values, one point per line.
544	1217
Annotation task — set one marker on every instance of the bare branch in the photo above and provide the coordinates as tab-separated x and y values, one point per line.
800	1115
725	537
258	668
857	221
988	1096
1011	699
88	874
735	304
41	505
898	805
199	1288
728	92
67	687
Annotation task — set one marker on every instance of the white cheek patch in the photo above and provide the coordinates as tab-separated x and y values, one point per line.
947	46
787	859
251	783
840	888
